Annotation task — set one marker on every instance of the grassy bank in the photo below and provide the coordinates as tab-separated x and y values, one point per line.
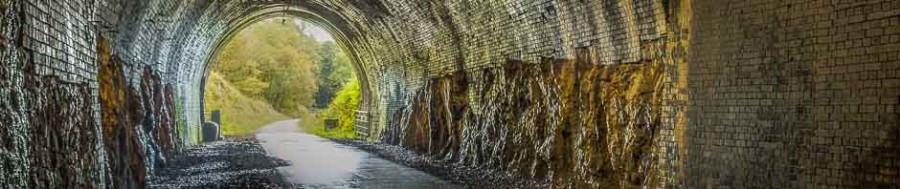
241	115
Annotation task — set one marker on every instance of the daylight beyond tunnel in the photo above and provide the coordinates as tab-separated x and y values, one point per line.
578	94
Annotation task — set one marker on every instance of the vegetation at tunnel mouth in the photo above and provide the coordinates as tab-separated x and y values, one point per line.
273	71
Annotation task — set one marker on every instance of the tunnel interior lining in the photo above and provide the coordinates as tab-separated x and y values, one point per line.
740	82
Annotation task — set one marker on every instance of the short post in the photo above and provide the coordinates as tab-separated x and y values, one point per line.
211	132
330	124
216	117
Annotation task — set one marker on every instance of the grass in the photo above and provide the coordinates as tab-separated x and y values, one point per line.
241	115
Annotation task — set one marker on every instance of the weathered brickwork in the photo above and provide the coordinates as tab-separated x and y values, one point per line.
794	94
688	93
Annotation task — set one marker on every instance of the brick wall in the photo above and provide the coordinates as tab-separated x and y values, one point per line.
787	94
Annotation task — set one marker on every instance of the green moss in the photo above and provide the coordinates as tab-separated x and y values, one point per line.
182	128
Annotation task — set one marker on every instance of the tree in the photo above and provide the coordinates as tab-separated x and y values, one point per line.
335	70
273	61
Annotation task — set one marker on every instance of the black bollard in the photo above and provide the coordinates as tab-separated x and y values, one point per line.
211	132
330	124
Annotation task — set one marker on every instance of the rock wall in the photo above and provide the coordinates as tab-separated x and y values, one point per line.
136	122
60	124
598	100
575	122
72	115
47	126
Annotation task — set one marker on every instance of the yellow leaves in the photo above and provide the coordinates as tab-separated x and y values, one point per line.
272	61
252	86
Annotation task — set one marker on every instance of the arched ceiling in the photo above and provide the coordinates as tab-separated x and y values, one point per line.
431	37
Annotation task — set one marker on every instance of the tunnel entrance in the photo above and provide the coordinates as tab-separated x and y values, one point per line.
337	46
281	68
250	74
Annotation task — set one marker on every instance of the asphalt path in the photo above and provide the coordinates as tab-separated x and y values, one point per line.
321	163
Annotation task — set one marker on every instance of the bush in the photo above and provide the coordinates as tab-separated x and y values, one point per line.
343	108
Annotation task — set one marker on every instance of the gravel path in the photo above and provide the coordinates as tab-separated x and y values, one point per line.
233	163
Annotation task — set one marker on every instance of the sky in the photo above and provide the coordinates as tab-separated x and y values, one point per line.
315	31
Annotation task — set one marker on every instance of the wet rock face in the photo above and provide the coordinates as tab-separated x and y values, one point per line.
50	136
160	138
120	135
137	122
576	123
51	147
61	124
48	130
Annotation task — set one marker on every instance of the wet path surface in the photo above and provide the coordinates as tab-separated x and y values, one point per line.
320	163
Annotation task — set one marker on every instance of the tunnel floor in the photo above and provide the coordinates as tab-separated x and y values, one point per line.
316	162
282	156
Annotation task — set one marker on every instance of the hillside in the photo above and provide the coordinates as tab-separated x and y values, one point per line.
241	115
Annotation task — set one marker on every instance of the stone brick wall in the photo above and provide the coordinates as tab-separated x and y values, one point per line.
789	94
53	136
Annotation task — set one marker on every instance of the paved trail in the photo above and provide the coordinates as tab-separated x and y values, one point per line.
320	163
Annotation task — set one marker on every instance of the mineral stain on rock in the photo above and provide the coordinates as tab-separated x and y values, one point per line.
136	122
575	122
125	155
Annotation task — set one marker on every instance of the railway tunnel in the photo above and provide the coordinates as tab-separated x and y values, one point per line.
586	94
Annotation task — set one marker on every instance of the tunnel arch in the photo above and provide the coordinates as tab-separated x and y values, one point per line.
728	74
340	37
